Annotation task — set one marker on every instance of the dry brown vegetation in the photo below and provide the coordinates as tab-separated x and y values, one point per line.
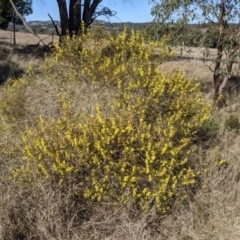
212	212
24	39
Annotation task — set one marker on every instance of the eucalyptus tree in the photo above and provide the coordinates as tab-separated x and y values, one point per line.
222	15
80	11
7	13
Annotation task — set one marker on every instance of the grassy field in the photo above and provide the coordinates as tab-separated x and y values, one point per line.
211	212
23	38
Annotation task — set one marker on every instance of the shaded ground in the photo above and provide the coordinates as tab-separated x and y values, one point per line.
9	69
26	44
14	60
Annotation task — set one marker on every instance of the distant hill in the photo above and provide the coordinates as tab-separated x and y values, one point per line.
47	26
40	27
43	23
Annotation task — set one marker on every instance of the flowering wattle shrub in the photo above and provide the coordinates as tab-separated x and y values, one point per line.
138	153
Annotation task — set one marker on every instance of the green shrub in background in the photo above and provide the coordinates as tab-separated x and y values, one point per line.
137	152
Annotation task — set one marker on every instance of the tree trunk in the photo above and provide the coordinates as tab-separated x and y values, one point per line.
14	31
88	11
79	11
63	17
74	16
225	79
218	77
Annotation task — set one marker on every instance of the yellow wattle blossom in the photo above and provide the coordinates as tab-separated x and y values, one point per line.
134	150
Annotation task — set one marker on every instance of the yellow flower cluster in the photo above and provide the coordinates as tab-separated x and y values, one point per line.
139	153
110	59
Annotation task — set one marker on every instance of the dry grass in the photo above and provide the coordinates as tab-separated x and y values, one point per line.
25	53
25	38
44	211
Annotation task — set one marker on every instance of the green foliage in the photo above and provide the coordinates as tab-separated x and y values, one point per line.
208	130
210	125
223	33
232	123
211	38
189	35
136	151
8	14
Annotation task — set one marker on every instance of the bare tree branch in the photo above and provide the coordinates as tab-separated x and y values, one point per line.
54	24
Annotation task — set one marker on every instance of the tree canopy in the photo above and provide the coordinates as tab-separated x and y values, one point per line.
222	15
7	13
